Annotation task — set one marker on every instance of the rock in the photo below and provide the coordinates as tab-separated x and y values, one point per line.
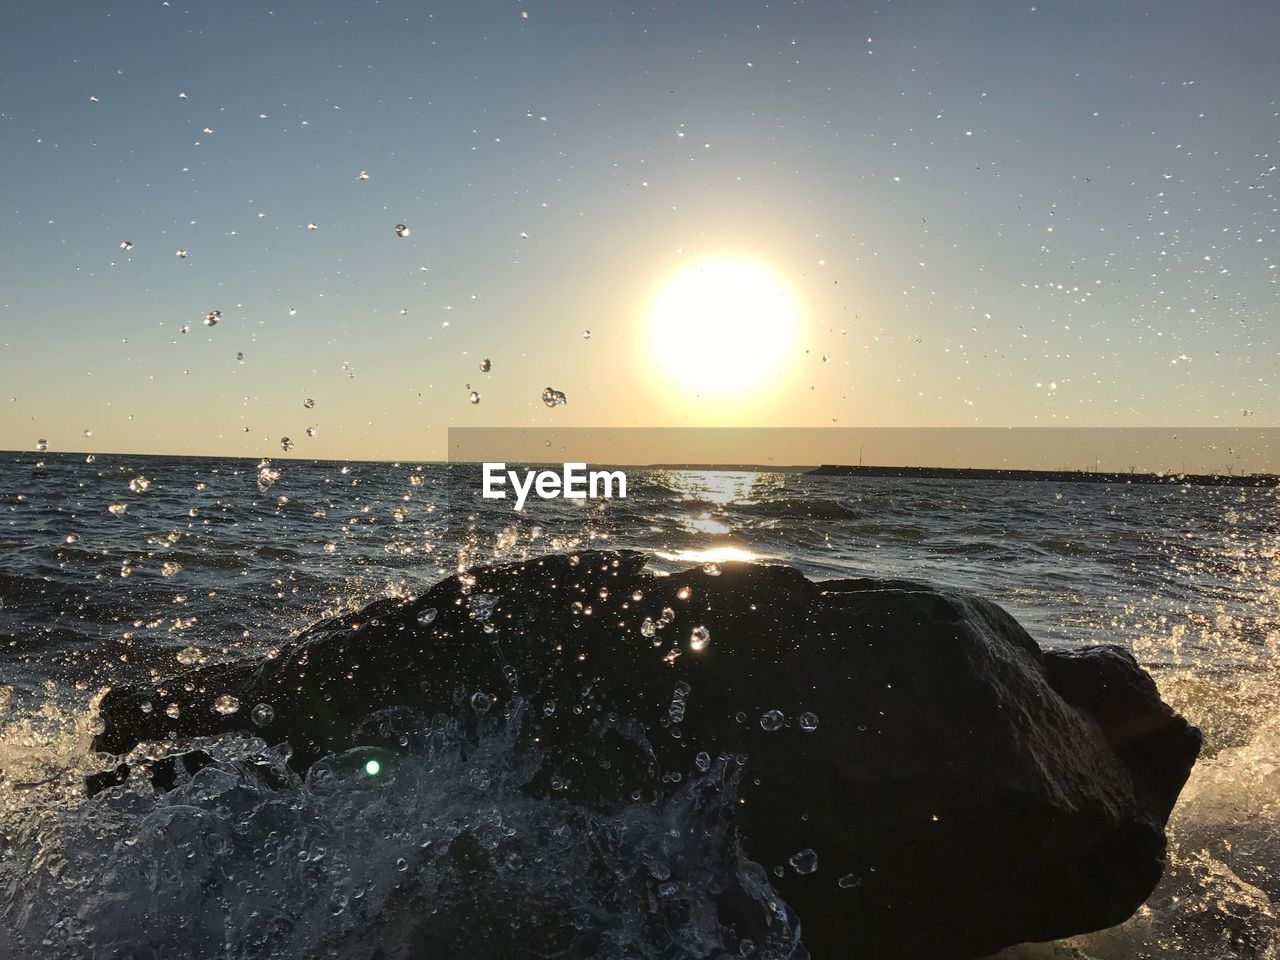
955	789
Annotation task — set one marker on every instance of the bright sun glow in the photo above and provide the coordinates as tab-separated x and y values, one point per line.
722	326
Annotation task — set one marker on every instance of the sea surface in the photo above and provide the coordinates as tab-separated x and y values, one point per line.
125	568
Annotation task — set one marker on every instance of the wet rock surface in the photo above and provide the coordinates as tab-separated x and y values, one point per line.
918	778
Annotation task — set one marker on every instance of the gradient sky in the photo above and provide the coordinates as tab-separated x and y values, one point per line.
991	214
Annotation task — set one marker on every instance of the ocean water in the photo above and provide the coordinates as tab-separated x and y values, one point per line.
125	568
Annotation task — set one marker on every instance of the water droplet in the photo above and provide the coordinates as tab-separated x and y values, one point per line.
139	484
648	628
482	606
699	638
804	862
126	245
771	721
42	445
474	397
267	475
427	616
170	568
172	711
118	509
363	175
684	593
586	334
485	365
711	569
191	656
311	431
286	444
553	397
826	358
312	226
702	761
212	317
72	538
401	230
226	705
848	882
481	702
262	714
808	722
308	403
180	254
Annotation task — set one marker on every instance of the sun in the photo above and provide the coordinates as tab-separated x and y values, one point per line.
722	326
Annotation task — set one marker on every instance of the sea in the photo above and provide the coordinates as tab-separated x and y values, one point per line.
128	568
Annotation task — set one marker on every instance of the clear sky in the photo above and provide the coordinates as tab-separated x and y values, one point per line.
982	213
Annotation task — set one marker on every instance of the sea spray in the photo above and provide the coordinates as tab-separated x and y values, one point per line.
427	833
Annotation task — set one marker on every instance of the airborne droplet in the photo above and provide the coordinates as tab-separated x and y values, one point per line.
771	721
699	638
262	714
553	397
212	317
286	444
191	656
226	705
401	230
804	862
485	365
482	606
475	397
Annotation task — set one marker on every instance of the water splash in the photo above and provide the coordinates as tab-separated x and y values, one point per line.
372	852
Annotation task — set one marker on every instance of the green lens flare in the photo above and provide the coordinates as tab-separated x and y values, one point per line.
373	768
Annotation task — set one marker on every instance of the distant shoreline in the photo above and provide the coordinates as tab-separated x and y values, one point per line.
1056	476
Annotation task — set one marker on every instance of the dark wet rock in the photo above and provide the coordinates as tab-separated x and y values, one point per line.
962	790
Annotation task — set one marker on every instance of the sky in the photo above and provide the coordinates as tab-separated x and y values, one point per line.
983	214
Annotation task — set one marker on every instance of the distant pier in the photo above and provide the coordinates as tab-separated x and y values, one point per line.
1053	476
